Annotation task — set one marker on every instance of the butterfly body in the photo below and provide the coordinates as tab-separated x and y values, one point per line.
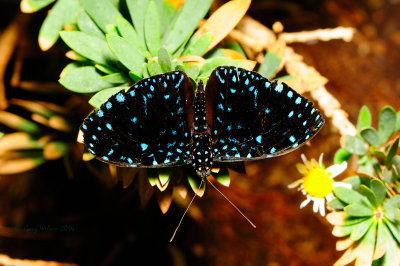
202	155
238	116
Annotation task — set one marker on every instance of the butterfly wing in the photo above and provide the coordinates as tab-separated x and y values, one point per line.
146	126
252	118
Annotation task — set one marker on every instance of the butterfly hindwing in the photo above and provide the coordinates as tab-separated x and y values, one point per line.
146	126
252	118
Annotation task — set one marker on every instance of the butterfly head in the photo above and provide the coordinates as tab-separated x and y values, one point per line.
200	87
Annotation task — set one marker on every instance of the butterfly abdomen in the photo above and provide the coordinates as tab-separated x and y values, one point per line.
201	142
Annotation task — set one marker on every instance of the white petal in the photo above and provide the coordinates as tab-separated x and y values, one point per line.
305	202
320	159
316	205
337	169
295	183
322	207
329	197
304	158
342	184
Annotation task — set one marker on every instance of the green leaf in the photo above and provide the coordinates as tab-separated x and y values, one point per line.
106	69
337	204
398	121
60	147
102	96
84	80
127	31
103	12
367	167
392	152
198	46
112	29
238	63
178	65
18	123
369	194
393	202
370	135
154	68
117	78
369	238
396	163
380	154
237	47
224	180
164	175
193	72
348	229
212	64
382	235
55	21
167	13
86	24
137	12
164	59
128	55
222	176
152	175
89	46
145	72
283	78
364	118
135	77
341	156
386	175
350	196
379	190
392	251
192	12
70	67
360	230
350	220
386	123
358	210
354	181
393	215
194	183
355	145
394	228
269	66
36	5
152	28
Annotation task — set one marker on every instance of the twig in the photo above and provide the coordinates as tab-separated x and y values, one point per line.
342	33
7	261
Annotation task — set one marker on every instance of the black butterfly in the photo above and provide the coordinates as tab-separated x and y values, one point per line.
160	122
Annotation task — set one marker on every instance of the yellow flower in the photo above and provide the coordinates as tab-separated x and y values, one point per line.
317	183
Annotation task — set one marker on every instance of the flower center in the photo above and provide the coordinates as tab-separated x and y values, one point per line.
318	183
378	213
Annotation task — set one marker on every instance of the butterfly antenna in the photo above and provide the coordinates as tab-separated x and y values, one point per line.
252	224
187	208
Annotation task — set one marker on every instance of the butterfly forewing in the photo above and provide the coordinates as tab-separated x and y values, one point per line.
252	118
146	126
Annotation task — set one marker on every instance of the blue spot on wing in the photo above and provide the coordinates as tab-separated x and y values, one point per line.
120	97
144	146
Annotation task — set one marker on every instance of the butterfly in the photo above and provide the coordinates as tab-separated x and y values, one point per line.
167	121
